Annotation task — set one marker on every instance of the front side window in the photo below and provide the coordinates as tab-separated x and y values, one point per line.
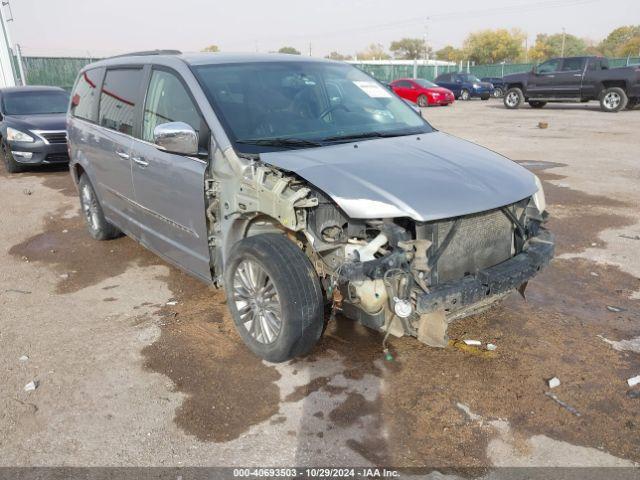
35	102
425	83
118	99
167	101
85	95
265	104
549	66
465	77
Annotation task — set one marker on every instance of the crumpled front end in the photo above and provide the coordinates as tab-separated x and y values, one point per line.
413	278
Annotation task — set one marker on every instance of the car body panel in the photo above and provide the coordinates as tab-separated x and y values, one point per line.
424	177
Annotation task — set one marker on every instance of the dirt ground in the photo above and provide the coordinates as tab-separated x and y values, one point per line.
138	364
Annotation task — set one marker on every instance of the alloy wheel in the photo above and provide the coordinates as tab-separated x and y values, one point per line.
257	301
612	100
90	207
512	99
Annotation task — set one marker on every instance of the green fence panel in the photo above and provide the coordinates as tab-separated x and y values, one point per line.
59	72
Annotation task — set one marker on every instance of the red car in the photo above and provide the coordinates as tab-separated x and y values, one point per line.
422	92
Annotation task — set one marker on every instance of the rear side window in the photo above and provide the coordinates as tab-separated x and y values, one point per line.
167	101
118	99
85	95
572	64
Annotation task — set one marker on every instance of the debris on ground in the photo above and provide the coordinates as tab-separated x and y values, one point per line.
64	276
24	358
473	342
564	405
553	382
13	290
472	416
471	349
594	274
543	125
633	394
172	303
27	192
31	386
631	345
491	347
613	308
630	237
634	381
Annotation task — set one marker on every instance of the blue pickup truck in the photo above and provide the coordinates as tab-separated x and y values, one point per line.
465	86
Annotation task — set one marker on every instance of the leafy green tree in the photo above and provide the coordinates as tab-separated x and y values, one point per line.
211	48
338	56
375	51
450	54
620	41
631	48
548	46
410	48
289	50
494	46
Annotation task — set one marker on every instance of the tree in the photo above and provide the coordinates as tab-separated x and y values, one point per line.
450	54
548	46
410	48
338	56
631	48
211	48
494	46
289	50
375	51
617	42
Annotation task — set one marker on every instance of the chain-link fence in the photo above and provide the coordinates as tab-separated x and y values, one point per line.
62	71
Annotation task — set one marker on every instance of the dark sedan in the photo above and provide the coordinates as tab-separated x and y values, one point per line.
33	126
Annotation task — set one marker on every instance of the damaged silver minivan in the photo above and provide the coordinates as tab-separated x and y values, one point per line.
301	185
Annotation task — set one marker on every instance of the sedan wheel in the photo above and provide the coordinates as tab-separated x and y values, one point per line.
422	101
465	95
497	93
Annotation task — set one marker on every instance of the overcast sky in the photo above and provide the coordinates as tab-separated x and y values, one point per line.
106	27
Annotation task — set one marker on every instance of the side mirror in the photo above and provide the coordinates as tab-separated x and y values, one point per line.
176	137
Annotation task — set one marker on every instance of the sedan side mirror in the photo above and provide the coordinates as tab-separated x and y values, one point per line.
176	137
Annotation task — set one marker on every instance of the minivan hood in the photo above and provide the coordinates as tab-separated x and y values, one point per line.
52	121
425	177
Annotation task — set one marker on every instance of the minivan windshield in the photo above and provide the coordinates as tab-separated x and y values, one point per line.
267	106
35	102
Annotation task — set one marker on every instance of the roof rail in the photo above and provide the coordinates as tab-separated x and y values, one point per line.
149	52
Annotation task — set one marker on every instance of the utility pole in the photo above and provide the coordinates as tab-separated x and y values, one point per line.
564	34
309	48
6	61
23	77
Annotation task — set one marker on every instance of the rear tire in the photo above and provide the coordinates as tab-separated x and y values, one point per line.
513	98
98	226
465	95
498	92
536	104
423	101
274	297
613	99
10	163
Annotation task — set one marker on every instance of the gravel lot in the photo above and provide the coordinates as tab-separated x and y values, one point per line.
127	377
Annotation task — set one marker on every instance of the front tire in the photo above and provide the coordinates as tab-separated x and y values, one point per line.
465	95
10	163
536	104
98	226
513	98
423	101
274	297
613	99
498	92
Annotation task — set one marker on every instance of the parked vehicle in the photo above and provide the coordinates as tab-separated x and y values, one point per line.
295	183
33	126
575	79
498	85
465	86
422	92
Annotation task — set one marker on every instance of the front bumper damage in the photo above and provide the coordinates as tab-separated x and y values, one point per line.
492	282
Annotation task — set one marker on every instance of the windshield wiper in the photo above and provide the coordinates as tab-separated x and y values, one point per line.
362	135
286	142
